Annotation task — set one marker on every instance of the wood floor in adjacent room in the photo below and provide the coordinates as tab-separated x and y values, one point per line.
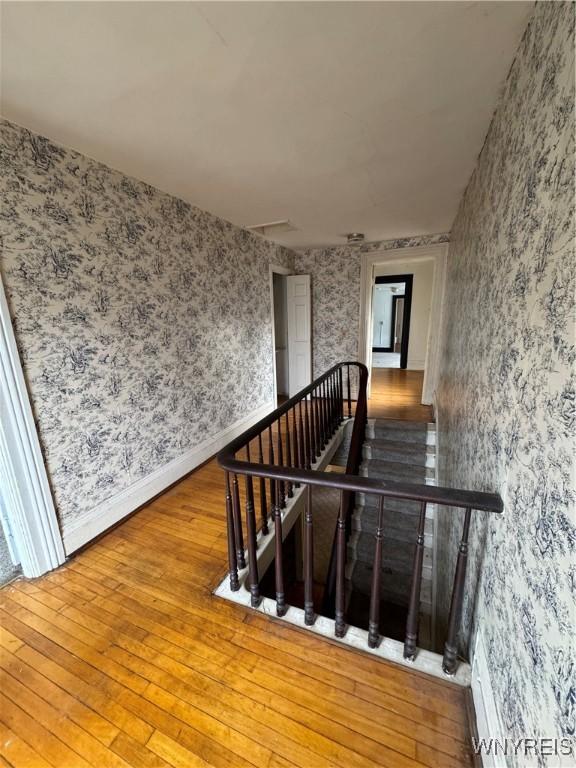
122	657
397	394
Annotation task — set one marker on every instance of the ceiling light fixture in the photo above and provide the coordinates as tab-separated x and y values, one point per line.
354	238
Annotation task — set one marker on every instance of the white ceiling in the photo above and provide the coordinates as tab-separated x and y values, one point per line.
340	116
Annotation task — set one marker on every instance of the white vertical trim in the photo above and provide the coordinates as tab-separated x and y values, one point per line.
25	486
275	268
487	719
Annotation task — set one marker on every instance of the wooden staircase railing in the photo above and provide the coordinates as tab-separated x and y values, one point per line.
297	434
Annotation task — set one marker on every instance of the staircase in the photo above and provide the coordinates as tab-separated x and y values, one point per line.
396	451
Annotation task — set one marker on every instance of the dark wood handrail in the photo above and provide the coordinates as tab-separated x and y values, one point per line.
308	430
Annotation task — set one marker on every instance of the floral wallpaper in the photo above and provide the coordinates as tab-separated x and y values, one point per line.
506	401
143	323
336	295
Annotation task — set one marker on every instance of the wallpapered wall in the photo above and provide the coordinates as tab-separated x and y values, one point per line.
143	323
336	295
507	397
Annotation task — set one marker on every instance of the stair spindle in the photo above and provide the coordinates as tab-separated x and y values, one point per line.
318	426
281	483
272	482
340	396
296	445
289	490
309	615
325	409
314	448
349	392
232	560
303	458
239	537
278	566
253	580
414	605
340	624
374	617
451	648
309	457
263	509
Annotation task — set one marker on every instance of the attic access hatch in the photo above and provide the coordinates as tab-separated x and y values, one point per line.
273	228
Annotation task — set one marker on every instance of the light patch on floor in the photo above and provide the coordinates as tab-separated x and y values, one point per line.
386	359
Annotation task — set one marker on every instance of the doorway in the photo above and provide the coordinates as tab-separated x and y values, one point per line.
391	310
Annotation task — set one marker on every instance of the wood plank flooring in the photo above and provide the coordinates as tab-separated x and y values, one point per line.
397	394
123	657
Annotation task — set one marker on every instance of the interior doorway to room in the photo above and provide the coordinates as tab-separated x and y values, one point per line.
291	331
279	290
391	311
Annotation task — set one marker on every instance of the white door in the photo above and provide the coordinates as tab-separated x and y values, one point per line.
299	332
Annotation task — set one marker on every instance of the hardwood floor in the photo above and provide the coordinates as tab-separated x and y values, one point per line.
396	394
122	657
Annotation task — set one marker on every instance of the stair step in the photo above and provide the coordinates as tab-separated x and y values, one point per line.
395	587
397	555
397	525
397	472
398	450
401	431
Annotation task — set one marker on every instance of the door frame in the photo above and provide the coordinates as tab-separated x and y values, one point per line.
395	300
28	498
407	280
438	252
279	270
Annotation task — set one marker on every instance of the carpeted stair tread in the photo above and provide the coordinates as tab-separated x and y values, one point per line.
397	451
395	471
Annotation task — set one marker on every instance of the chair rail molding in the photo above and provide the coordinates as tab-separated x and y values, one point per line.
27	495
437	252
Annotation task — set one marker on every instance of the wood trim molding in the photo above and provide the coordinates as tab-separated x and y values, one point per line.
438	252
87	526
27	495
487	720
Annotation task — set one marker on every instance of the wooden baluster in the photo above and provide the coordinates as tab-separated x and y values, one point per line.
296	445
374	617
281	483
414	605
331	390
349	393
318	425
309	457
340	624
232	561
451	648
263	509
272	483
325	410
250	493
309	616
289	491
278	567
340	396
303	459
253	580
313	447
238	523
321	415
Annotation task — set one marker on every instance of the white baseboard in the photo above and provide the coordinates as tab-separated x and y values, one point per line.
487	718
97	520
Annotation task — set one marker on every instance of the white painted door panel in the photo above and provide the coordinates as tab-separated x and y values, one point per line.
299	332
